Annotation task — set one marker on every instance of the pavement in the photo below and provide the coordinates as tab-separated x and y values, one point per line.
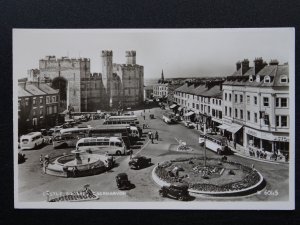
33	184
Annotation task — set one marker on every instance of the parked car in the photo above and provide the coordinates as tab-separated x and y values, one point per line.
138	162
175	190
122	181
188	124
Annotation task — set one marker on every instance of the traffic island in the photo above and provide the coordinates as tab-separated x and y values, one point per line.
217	178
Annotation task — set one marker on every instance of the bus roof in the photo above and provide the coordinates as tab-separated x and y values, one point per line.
122	118
66	130
111	127
32	134
100	139
216	137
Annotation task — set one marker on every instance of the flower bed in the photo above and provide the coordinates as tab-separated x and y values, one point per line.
217	176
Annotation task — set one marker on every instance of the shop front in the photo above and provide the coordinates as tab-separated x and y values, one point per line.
233	132
277	145
189	116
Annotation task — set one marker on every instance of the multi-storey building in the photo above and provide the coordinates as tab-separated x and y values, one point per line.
256	106
195	102
37	106
160	90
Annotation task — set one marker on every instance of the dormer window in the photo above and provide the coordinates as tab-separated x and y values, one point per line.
257	78
283	79
267	79
251	78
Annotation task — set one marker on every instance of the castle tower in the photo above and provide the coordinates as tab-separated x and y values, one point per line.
131	57
107	71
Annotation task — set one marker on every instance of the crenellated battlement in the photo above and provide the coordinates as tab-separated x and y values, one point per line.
106	53
130	53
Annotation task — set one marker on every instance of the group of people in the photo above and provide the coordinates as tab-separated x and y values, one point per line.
44	161
153	136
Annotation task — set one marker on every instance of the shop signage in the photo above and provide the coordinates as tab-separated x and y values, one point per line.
266	136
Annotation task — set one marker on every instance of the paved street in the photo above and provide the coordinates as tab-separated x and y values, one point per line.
33	183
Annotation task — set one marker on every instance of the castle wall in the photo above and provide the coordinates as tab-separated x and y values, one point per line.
73	70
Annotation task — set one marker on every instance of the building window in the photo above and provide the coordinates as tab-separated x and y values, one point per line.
208	109
41	100
193	105
47	99
220	103
230	111
33	112
248	99
283	79
235	98
255	117
236	113
213	112
266	101
241	114
241	99
213	101
41	111
220	114
34	101
283	102
225	96
225	110
27	101
277	121
230	97
266	120
255	100
277	102
53	98
248	116
55	109
283	121
197	106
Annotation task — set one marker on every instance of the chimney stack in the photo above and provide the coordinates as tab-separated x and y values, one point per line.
245	66
273	62
258	65
238	65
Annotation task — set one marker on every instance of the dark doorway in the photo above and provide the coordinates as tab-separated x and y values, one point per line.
61	84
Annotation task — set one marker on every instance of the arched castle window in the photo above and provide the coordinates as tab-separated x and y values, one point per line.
267	79
284	79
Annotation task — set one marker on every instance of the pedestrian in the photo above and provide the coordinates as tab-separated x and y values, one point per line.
131	154
41	160
152	138
156	135
144	117
149	134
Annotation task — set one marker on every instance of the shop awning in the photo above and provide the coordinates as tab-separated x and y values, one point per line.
223	127
189	113
173	106
234	128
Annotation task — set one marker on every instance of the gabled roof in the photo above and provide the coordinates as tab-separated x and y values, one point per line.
31	88
22	92
47	89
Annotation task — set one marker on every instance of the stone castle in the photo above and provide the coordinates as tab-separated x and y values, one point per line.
119	86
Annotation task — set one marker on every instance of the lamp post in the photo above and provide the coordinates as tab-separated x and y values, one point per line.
204	144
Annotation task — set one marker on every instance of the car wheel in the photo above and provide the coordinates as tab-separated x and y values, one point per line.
118	153
162	194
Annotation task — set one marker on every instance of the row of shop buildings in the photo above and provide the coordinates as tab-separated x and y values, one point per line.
251	107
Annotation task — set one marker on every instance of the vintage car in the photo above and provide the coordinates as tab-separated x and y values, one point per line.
138	162
122	181
188	124
175	190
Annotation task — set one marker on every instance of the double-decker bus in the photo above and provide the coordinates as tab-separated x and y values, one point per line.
216	143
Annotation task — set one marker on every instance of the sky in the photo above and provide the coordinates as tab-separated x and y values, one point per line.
179	53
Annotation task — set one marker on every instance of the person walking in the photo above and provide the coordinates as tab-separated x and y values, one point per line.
152	138
156	135
41	160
